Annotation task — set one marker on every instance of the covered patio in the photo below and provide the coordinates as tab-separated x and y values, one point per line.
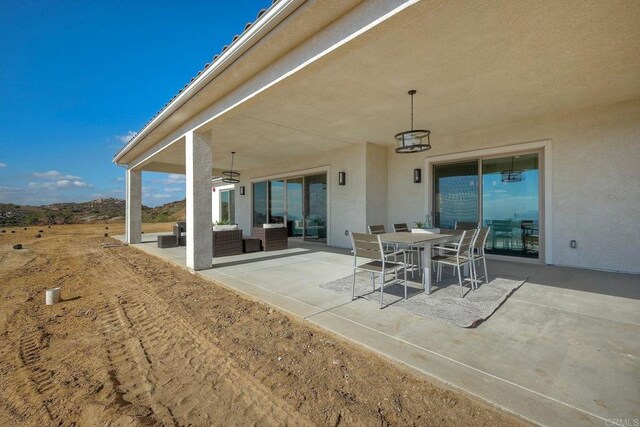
326	94
312	93
561	350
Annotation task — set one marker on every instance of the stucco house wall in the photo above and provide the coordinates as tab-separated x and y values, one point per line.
595	181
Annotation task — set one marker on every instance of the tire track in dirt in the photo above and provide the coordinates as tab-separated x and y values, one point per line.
169	341
127	371
42	380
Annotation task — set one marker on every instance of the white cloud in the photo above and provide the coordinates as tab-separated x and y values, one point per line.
61	184
127	137
174	189
52	180
53	175
160	196
3	165
171	179
119	179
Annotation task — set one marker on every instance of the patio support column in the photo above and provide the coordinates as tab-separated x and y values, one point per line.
133	205
198	148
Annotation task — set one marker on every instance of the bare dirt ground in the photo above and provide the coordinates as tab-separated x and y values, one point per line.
137	341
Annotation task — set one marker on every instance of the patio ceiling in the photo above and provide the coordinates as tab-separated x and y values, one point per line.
473	66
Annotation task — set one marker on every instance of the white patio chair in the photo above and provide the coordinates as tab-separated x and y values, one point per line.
464	225
389	248
477	254
401	228
453	246
413	251
376	229
370	246
457	257
459	225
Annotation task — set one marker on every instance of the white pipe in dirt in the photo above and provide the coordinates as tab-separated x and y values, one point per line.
52	296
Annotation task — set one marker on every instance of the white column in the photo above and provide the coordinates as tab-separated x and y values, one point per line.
198	171
134	206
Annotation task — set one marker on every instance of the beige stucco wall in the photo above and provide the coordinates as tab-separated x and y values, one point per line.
595	181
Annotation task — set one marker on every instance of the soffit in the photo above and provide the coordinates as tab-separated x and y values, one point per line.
307	20
475	65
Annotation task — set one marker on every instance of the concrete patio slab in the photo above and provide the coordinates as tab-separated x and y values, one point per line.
563	349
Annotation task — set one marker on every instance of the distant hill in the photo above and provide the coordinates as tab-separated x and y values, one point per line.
172	211
100	210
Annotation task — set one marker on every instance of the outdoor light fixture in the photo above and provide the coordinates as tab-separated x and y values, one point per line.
417	176
230	175
242	190
411	141
512	175
342	178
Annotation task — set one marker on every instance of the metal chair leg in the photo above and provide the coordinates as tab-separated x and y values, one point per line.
412	265
353	291
405	279
460	282
472	275
486	275
381	287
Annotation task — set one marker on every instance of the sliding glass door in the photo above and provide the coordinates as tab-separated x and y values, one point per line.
295	212
315	198
227	206
510	205
298	202
455	193
276	201
499	192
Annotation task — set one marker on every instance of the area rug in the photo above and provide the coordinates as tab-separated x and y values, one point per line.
444	303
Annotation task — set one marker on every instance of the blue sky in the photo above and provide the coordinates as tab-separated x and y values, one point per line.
76	78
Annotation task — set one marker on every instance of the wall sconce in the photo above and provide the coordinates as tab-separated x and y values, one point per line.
417	176
242	190
342	178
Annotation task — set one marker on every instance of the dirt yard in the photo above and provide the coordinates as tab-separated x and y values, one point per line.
137	341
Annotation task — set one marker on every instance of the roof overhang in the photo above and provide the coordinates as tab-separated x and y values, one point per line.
262	42
474	67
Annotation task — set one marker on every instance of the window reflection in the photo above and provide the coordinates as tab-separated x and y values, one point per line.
511	208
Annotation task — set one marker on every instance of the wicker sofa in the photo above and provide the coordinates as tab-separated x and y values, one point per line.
227	242
178	230
273	239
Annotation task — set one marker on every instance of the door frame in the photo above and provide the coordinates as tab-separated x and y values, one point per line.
545	186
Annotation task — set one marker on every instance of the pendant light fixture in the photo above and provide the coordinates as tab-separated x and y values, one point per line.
411	141
230	175
512	175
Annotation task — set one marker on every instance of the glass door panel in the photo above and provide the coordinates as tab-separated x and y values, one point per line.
276	201
224	206
295	213
510	205
232	206
315	204
227	206
259	203
455	193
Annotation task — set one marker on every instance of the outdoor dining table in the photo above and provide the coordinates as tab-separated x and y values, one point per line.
426	240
